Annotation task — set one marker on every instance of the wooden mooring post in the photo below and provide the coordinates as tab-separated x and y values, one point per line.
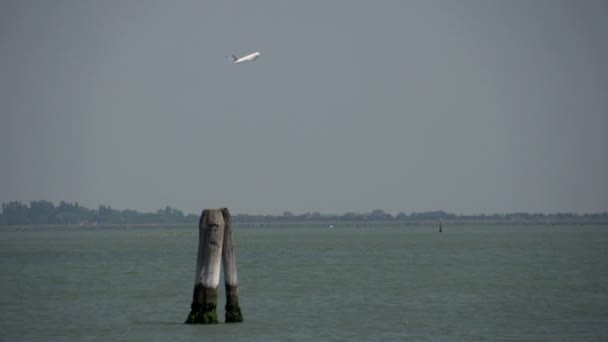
215	245
233	309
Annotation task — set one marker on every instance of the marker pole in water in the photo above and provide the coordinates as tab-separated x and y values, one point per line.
233	310
207	276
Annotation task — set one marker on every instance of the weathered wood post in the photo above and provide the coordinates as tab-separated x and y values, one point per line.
215	246
233	310
207	276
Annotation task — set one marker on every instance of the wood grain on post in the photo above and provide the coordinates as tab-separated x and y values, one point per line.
233	310
207	276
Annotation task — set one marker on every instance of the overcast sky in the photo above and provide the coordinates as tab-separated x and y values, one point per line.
463	106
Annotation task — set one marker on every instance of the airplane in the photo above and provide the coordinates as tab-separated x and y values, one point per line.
250	57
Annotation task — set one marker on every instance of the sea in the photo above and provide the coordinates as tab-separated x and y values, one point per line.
302	283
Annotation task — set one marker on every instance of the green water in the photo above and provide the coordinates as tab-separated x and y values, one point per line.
346	283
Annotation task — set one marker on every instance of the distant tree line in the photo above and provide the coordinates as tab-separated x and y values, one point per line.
46	213
379	215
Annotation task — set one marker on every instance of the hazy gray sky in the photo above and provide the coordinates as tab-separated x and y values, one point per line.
463	106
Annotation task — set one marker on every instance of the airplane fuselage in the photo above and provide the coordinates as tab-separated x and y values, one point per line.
250	57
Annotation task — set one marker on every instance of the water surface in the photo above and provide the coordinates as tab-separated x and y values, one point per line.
345	283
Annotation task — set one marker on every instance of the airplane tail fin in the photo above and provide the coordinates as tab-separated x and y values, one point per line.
234	58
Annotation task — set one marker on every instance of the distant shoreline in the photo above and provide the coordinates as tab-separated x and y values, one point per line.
334	223
46	214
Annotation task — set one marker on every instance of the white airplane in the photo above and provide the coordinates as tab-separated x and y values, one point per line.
250	57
